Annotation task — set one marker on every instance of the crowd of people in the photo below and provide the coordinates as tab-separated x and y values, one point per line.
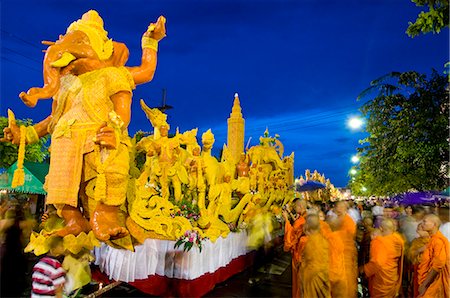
346	249
368	249
48	276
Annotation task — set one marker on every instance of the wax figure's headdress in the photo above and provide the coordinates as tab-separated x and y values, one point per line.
92	25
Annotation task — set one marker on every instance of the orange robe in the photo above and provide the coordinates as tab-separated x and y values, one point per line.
325	228
415	256
336	255
314	268
292	234
347	232
436	256
337	267
385	267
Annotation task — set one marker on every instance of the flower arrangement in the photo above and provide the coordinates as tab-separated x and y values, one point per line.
189	239
187	210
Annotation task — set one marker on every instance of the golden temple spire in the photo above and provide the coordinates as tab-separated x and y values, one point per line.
236	129
236	111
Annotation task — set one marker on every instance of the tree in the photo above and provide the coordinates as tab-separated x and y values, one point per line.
407	147
434	20
37	152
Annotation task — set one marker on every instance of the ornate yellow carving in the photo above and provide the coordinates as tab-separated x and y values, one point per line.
236	130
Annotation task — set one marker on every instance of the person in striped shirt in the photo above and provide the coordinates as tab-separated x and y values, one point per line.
48	275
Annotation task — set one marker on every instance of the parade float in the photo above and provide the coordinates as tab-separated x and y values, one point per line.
322	190
175	226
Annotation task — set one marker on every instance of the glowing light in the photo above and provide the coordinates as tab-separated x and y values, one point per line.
353	172
355	123
364	189
355	159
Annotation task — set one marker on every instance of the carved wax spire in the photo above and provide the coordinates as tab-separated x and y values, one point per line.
236	129
236	111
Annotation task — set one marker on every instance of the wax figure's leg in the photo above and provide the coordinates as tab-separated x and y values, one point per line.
105	222
75	223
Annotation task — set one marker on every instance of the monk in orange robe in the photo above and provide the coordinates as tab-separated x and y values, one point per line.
347	232
338	282
433	271
292	235
385	268
325	228
314	268
415	252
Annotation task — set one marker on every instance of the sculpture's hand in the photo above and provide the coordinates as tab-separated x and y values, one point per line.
12	132
106	137
29	99
157	31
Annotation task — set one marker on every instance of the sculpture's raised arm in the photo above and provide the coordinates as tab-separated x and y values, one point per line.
83	49
155	32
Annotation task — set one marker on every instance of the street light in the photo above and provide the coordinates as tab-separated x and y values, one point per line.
355	123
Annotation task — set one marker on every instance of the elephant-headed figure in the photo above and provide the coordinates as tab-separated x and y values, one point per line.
84	72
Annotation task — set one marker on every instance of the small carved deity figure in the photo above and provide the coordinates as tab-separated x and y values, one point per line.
169	170
196	166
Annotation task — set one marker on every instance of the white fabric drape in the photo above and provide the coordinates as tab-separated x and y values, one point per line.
159	257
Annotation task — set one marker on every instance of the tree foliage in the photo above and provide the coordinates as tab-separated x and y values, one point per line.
408	125
8	152
433	20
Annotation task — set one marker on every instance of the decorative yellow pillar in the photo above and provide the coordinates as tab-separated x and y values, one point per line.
236	129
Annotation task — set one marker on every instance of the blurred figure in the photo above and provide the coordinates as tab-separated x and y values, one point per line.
360	207
49	276
378	212
347	232
13	263
260	230
4	206
414	255
331	215
354	212
408	225
364	238
433	270
443	213
384	270
325	228
292	234
314	268
338	281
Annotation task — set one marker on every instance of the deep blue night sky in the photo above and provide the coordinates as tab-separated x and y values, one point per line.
298	66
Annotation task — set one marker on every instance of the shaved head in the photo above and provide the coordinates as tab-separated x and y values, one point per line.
341	208
388	226
301	202
434	219
431	223
300	206
313	222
